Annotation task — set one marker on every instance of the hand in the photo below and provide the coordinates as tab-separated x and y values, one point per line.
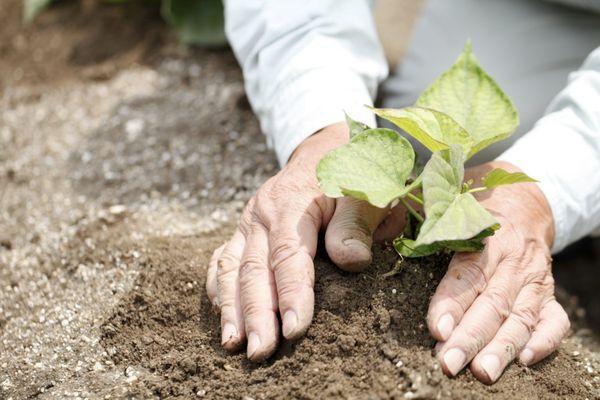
267	266
499	304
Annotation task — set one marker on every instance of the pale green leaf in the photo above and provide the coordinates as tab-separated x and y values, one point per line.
450	214
354	126
473	244
434	129
32	8
474	100
498	177
374	167
407	248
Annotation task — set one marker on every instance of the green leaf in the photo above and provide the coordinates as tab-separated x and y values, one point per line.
374	167
197	22
32	8
450	214
474	100
434	129
473	244
498	177
354	126
407	248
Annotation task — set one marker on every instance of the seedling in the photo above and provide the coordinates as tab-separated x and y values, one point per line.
460	114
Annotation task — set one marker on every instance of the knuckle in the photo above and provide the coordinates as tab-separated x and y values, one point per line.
251	265
527	316
442	303
472	273
282	251
476	337
264	199
227	263
498	301
252	309
294	288
247	218
551	341
227	308
216	254
539	278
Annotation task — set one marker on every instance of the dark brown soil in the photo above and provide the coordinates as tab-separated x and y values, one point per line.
368	339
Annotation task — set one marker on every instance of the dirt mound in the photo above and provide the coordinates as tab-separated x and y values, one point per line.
368	339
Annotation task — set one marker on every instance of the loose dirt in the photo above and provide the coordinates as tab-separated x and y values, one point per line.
368	339
124	161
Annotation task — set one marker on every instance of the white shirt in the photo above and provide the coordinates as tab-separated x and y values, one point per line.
306	62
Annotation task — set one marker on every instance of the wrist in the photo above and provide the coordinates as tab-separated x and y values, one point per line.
314	147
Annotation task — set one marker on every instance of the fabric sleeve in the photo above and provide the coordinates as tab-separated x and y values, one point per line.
562	152
305	62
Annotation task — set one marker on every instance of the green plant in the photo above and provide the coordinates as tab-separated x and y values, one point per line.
197	22
460	114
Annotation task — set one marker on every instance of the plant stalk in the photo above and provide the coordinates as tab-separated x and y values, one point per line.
477	189
411	210
414	198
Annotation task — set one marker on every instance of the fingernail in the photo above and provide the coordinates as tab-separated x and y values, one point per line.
253	343
290	321
526	356
229	332
491	365
445	326
455	360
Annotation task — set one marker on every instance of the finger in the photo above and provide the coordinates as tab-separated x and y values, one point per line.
466	278
482	320
349	235
548	334
258	295
392	225
293	243
488	365
228	290
211	276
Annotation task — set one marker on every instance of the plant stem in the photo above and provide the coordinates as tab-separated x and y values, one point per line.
411	210
414	198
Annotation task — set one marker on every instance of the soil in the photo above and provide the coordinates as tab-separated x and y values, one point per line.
124	161
368	339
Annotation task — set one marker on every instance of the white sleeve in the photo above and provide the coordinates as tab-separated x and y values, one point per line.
305	62
562	152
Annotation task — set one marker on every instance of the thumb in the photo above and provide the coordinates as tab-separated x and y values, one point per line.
349	235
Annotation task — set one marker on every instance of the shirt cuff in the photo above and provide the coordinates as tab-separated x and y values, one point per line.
311	101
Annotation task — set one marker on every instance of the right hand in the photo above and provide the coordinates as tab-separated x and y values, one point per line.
267	265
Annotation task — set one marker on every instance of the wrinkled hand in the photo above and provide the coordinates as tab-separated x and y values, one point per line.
266	268
499	304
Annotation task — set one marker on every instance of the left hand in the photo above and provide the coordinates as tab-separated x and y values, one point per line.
494	306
